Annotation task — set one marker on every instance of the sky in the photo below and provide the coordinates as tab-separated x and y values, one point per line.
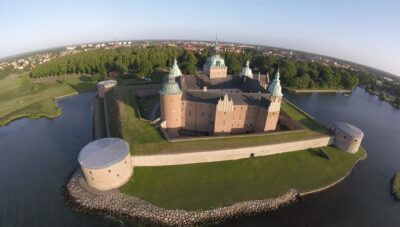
362	31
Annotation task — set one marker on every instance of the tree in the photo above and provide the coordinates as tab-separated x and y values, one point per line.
397	102
383	96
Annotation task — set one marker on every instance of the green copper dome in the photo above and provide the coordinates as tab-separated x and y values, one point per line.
246	70
215	61
176	72
171	87
275	88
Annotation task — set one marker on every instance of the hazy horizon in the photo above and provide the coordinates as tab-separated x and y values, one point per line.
357	31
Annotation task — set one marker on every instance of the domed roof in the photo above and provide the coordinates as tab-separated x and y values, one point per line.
107	82
246	70
215	61
349	129
275	88
103	153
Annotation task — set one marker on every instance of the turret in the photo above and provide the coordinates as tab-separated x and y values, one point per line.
215	65
247	71
170	99
274	108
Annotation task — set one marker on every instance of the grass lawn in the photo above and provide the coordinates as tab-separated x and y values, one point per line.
146	105
146	139
20	96
206	185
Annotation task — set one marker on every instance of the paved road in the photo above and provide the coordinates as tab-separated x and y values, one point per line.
154	111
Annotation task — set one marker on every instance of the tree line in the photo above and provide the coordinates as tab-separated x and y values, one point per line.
142	62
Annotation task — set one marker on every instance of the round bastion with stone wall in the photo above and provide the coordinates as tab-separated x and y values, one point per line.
104	86
106	163
347	137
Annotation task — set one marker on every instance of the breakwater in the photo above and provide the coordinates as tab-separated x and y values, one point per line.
80	196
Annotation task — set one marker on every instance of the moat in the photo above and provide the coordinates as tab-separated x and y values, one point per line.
37	157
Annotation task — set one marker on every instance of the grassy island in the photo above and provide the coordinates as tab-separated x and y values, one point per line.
206	185
395	189
21	96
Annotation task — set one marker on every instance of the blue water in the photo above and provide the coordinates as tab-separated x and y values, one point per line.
37	156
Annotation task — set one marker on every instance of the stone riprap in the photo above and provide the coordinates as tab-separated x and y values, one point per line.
79	195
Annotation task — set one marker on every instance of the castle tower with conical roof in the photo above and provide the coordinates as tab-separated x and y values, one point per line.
215	65
171	98
247	71
270	121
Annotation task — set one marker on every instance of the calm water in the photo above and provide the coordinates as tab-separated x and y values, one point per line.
37	156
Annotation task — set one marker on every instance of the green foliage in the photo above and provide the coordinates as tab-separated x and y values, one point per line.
383	96
395	188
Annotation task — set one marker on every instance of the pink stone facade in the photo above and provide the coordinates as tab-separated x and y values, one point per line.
205	117
171	110
215	72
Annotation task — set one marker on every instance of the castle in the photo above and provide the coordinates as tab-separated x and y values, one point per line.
219	104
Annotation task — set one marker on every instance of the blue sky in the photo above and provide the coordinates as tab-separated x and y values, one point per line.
366	32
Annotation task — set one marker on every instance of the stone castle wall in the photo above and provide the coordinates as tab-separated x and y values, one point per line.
228	154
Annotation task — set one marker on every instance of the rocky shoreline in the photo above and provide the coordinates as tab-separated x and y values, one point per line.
79	195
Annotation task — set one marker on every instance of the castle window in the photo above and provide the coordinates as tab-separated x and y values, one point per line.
240	117
251	124
109	170
190	113
117	175
202	114
345	137
223	122
355	140
209	115
90	172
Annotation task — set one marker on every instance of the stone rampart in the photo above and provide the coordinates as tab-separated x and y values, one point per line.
228	154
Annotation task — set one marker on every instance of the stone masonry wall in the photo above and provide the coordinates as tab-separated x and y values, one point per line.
228	154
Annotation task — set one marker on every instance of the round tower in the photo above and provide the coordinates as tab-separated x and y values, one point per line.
347	137
171	99
274	108
106	163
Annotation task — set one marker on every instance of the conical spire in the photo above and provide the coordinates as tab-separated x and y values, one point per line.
171	87
175	69
247	71
216	48
275	88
